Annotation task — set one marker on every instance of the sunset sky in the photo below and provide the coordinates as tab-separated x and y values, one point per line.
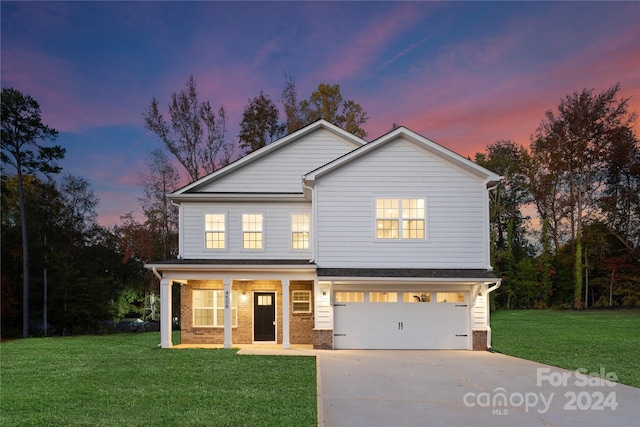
463	74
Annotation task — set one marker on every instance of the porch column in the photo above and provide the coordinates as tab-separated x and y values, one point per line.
227	313
285	314
165	313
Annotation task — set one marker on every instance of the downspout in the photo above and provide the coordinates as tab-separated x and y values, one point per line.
155	272
488	308
314	218
494	287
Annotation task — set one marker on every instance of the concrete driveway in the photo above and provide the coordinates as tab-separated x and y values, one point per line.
464	388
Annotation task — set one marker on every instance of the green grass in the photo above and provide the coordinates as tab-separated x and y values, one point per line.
126	380
572	339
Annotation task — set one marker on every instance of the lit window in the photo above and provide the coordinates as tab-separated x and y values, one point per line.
387	218
383	297
390	211
215	226
301	301
300	231
349	296
252	231
208	308
416	297
450	297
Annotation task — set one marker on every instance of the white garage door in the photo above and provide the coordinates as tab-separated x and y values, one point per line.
401	320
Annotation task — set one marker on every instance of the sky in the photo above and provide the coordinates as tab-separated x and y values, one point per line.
463	74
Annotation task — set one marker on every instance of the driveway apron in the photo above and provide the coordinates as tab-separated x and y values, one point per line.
465	388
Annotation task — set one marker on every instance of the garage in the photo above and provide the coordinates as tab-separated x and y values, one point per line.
401	319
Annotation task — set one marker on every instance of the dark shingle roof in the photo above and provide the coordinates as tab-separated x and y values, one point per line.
233	262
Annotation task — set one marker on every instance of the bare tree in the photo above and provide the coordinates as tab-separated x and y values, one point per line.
195	135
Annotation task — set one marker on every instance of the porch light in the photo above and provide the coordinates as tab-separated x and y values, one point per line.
243	297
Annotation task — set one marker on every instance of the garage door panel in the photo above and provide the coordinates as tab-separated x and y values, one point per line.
401	325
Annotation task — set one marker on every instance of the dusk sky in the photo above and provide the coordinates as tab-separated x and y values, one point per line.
463	74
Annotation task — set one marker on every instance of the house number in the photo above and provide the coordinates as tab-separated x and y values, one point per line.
226	299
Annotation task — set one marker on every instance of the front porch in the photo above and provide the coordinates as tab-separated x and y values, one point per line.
259	349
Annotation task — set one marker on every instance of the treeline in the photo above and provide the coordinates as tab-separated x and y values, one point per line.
581	177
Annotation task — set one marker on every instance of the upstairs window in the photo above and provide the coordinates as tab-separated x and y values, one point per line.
215	231
252	231
300	231
400	219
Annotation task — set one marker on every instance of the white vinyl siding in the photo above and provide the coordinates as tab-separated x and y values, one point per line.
276	230
455	217
281	170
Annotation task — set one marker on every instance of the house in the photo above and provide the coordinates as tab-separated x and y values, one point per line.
322	238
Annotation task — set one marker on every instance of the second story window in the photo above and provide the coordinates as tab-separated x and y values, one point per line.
300	231
252	231
215	231
400	219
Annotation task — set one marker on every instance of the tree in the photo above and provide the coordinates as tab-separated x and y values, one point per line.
569	151
161	215
22	135
195	136
259	125
326	103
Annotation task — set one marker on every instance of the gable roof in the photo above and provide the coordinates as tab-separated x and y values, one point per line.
445	154
269	150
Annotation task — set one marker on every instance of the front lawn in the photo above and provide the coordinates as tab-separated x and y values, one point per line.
126	380
593	340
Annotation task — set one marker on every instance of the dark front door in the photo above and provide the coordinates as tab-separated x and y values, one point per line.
264	316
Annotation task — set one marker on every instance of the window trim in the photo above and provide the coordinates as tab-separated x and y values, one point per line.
309	301
401	218
226	231
233	307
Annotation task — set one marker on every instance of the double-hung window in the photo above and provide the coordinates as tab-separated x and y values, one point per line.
215	231
300	231
252	231
208	308
400	219
301	301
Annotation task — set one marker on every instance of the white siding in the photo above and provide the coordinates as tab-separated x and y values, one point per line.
281	171
479	313
456	212
276	230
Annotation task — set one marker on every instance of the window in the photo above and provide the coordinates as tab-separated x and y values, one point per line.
349	296
300	231
301	301
416	297
214	226
252	231
450	296
389	213
383	297
208	308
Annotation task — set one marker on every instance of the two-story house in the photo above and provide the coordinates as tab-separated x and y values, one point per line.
323	238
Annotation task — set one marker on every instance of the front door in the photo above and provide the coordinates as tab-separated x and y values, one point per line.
264	316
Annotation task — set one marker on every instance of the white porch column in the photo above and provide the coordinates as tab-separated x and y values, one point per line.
227	313
165	313
285	314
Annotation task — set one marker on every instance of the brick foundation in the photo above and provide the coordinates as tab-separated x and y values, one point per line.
480	341
323	339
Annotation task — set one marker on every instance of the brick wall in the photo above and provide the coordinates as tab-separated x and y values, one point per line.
480	340
300	324
323	339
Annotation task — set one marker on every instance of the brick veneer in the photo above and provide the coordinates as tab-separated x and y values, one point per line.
300	324
323	339
480	340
